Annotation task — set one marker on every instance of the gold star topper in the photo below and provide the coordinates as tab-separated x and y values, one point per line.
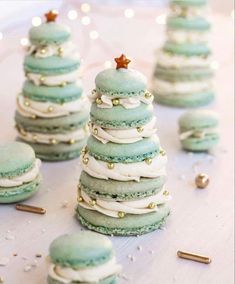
122	62
51	16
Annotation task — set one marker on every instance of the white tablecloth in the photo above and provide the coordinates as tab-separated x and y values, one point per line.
201	220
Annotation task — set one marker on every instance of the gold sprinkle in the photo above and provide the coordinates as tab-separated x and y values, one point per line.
27	103
92	202
166	193
152	205
50	109
42	79
116	102
35	138
98	101
80	199
202	181
121	214
53	141
194	257
140	129
30	209
95	131
148	161
63	84
162	152
43	51
148	95
60	51
110	166
72	141
85	161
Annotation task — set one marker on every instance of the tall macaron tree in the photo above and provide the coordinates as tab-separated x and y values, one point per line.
52	110
183	73
121	188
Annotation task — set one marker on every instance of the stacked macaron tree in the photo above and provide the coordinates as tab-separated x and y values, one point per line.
121	188
183	74
52	110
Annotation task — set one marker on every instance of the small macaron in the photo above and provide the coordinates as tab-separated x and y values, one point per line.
193	24
189	2
199	130
19	172
84	257
187	49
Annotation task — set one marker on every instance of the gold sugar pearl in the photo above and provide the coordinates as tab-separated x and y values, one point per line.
116	102
85	161
50	109
35	138
162	152
43	51
42	79
148	161
110	166
148	95
72	141
95	131
140	129
121	214
202	180
33	116
166	193
53	141
63	84
92	202
93	92
27	103
98	101
152	205
60	51
80	199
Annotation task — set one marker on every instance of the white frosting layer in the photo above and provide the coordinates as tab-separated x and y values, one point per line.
63	50
123	136
24	178
128	103
112	208
27	107
179	61
125	172
197	133
54	80
165	87
182	36
90	275
189	11
73	136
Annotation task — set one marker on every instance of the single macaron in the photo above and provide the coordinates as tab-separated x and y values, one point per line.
19	172
84	257
188	24
189	2
198	130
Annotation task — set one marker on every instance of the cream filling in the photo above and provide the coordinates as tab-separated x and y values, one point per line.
128	103
124	172
168	60
165	87
182	36
70	137
29	108
188	12
196	133
63	50
24	178
113	208
54	80
95	274
124	136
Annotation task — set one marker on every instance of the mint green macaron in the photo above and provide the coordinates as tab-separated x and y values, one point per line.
187	49
188	24
189	2
17	160
198	130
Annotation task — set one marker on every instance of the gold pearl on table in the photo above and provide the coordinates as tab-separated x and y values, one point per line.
84	150
80	199
166	193
147	95
60	51
162	152
50	109
85	161
202	180
121	214
53	141
35	138
27	103
116	102
110	166
148	161
92	202
63	84
98	101
152	205
95	131
140	129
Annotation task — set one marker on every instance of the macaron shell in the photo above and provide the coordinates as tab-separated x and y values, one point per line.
19	193
67	93
130	225
49	33
189	2
109	280
200	145
123	153
124	82
15	159
119	190
119	117
53	65
187	49
190	24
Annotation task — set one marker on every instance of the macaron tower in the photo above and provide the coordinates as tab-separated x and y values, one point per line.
183	73
121	189
85	257
52	110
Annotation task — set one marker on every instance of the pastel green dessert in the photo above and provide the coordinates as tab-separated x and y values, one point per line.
121	188
85	257
183	76
52	110
19	172
198	130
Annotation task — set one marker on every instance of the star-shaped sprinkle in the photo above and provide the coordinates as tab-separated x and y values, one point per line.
51	16
122	62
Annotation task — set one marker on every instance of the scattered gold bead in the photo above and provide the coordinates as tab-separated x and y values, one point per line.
84	150
43	51
121	214
42	79
202	180
166	193
162	152
50	109
140	129
116	102
27	103
80	199
152	205
63	84
85	161
148	161
72	141
60	51
98	101
53	141
92	202
35	138
95	131
33	116
110	166
148	95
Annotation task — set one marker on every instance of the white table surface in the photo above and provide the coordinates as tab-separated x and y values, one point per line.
201	220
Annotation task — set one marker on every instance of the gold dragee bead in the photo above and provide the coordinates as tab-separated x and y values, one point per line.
50	109
43	51
148	161
60	51
42	79
80	199
85	161
98	101
33	116
35	138
72	141
63	84
27	103
53	141
116	102
92	202
95	131
140	129
110	166
152	205
162	152
121	214
202	180
166	193
148	95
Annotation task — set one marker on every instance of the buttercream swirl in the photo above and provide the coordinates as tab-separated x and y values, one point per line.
24	178
123	136
28	107
197	133
67	275
124	172
182	36
136	207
